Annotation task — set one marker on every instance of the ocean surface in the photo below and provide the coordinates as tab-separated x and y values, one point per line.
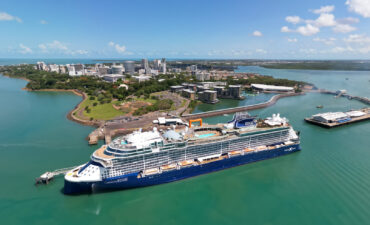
328	182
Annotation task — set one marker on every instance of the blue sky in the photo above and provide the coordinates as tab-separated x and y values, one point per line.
285	29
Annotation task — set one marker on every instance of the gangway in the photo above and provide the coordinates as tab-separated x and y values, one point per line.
47	176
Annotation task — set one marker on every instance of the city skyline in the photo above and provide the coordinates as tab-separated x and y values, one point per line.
207	29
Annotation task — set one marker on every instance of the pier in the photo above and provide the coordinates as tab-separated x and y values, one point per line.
46	177
336	123
341	94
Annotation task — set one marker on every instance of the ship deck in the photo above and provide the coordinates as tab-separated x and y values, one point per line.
100	153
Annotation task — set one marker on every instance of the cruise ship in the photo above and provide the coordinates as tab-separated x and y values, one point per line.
170	153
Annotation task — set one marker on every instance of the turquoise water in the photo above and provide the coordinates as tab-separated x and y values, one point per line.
328	182
206	135
358	82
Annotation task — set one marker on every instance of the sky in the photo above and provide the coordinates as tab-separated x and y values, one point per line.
216	29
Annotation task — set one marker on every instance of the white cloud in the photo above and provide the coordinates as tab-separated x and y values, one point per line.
292	40
357	38
339	49
43	47
348	20
325	20
257	33
43	22
240	52
7	17
53	46
286	29
327	41
262	51
308	51
361	7
343	28
293	19
324	9
308	30
25	49
364	50
59	47
119	48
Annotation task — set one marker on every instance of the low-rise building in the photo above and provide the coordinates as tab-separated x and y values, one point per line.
233	92
141	78
187	93
331	117
113	77
208	97
102	71
176	88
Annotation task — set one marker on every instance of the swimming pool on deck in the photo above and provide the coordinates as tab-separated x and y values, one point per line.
205	135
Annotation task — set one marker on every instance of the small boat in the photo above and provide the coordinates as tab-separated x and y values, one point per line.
320	106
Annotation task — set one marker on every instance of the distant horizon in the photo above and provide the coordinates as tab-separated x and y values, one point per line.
171	59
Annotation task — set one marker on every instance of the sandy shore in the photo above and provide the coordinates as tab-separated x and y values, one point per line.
74	91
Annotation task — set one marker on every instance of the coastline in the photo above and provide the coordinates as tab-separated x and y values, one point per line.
69	115
74	91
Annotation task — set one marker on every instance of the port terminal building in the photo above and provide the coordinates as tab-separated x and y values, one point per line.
264	87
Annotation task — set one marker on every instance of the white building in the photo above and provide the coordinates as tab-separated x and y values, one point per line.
75	70
202	76
41	65
164	66
193	68
330	117
154	72
113	77
157	64
117	69
264	87
141	78
53	68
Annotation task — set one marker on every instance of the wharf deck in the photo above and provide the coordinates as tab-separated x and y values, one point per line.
336	124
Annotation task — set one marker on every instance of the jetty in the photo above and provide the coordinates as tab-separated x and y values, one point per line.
46	177
335	119
343	93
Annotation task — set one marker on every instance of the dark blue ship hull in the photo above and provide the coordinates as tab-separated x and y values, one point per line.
132	181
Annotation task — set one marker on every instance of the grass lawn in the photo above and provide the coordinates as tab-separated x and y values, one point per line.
152	101
100	111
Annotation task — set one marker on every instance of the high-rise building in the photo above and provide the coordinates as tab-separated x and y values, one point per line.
129	67
163	69
193	68
117	69
157	64
145	65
